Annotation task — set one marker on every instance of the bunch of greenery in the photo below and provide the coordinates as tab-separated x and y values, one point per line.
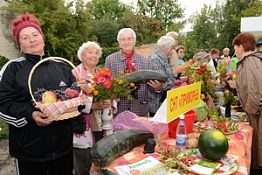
199	72
3	130
3	60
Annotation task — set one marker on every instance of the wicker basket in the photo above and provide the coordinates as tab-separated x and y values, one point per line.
59	110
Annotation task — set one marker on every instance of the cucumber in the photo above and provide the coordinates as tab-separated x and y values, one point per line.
144	76
117	144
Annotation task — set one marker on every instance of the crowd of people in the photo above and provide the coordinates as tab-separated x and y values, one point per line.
42	147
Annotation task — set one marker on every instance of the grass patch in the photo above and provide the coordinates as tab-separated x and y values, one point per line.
3	130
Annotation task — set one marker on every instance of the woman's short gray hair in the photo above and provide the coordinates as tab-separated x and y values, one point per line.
166	41
86	45
124	30
201	55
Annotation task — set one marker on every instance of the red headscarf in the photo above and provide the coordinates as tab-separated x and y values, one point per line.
22	21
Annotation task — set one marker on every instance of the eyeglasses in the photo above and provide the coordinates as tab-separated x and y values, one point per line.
126	39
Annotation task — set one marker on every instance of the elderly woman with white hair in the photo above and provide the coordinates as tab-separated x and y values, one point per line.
201	56
128	60
89	54
160	62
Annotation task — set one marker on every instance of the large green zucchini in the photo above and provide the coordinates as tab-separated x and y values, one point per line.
116	145
145	75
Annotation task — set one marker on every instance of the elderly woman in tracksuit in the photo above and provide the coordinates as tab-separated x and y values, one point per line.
40	146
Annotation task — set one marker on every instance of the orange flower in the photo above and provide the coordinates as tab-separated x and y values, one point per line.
89	90
104	71
94	85
96	92
107	84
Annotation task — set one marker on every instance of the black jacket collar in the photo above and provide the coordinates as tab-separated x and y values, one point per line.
35	58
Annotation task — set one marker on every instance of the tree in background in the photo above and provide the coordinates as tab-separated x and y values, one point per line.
233	10
107	18
65	29
168	12
148	29
217	27
204	31
67	26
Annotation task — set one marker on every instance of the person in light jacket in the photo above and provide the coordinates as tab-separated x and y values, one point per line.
249	89
160	62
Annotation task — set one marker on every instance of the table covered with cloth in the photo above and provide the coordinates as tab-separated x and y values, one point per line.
239	147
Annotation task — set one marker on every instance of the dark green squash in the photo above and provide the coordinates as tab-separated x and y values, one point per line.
116	145
145	75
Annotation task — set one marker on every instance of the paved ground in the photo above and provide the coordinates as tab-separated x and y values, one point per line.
7	166
6	162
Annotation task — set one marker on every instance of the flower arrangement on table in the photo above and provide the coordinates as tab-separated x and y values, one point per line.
179	83
107	86
223	68
199	72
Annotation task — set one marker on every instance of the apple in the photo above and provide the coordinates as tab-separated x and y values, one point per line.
71	93
49	97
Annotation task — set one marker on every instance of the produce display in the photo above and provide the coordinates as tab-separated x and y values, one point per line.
201	110
225	127
117	144
144	76
192	140
45	96
213	144
193	161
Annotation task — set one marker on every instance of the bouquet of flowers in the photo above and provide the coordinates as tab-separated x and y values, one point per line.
106	86
223	67
199	72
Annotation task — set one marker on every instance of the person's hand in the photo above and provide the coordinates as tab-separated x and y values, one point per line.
40	119
106	104
95	106
232	84
155	84
82	84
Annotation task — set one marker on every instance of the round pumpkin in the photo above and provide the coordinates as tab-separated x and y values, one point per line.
213	144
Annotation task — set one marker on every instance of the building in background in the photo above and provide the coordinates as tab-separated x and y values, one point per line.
7	48
252	25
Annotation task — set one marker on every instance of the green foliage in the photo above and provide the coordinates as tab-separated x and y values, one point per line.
165	11
106	52
112	9
65	28
107	19
148	29
204	32
105	32
3	60
3	130
216	27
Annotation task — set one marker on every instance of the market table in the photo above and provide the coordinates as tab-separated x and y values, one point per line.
239	147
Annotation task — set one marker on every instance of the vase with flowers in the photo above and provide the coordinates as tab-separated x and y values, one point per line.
106	86
229	98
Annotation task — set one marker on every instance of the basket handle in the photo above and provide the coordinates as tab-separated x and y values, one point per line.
37	64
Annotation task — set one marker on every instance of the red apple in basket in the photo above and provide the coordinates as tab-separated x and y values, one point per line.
71	93
49	97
